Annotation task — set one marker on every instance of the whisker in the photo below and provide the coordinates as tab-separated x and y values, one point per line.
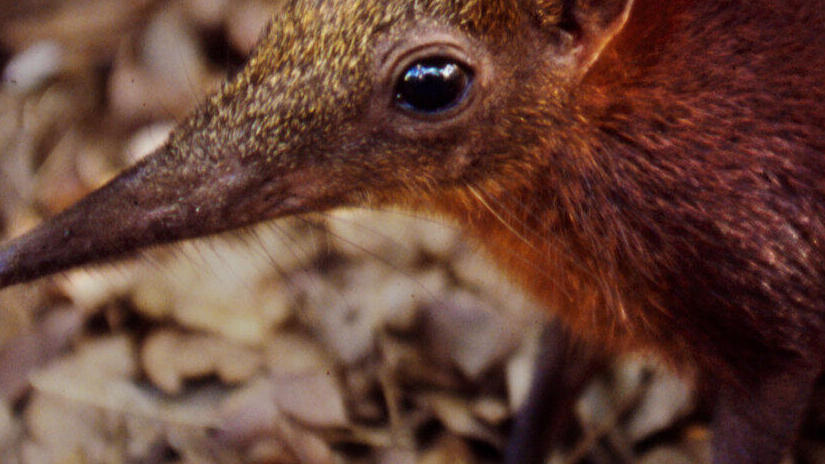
318	287
601	276
506	224
373	254
423	217
282	273
551	276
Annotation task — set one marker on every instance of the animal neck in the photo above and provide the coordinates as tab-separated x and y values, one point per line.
556	240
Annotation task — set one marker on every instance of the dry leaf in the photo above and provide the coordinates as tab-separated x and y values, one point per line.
171	357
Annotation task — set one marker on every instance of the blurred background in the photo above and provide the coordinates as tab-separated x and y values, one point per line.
348	337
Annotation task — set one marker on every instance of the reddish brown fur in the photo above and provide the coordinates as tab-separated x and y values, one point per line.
661	192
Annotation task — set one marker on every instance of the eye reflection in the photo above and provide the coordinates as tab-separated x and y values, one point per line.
432	85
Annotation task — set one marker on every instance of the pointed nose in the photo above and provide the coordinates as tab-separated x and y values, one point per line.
142	206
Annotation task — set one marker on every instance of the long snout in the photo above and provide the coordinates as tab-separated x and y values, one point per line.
165	198
122	216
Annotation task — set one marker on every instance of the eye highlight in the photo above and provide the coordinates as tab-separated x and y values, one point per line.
432	85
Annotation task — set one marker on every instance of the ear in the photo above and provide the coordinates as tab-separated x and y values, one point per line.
587	26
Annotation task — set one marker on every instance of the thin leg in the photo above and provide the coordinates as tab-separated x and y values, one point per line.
563	368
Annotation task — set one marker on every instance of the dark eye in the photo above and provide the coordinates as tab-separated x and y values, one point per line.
432	85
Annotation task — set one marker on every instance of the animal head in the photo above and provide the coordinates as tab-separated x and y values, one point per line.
348	102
